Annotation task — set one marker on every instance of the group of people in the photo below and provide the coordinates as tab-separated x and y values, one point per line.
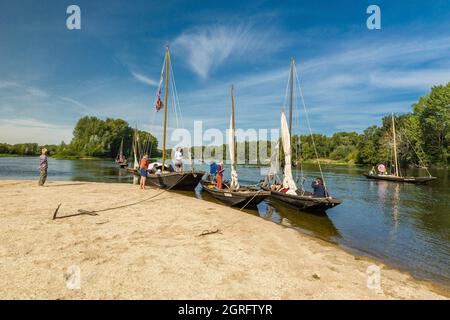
144	166
216	171
382	169
319	189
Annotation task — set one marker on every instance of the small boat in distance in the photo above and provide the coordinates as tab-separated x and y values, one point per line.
121	160
184	180
234	194
285	190
396	176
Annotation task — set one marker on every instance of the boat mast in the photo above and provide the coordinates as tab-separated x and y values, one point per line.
121	148
291	81
395	146
233	161
166	92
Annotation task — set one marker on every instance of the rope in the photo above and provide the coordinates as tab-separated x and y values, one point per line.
309	127
250	200
417	154
121	206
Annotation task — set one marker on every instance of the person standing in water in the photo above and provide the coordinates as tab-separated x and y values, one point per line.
143	170
43	166
212	171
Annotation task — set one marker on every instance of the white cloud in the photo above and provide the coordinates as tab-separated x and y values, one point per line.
33	130
207	47
144	79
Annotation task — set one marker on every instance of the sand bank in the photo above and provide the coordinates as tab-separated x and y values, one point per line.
152	250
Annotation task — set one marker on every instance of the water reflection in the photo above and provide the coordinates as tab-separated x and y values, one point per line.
317	224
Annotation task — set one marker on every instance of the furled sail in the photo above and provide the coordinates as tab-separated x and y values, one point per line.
288	180
231	144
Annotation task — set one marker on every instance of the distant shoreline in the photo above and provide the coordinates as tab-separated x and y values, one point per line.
322	161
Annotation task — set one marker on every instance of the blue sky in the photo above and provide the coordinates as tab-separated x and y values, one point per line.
351	76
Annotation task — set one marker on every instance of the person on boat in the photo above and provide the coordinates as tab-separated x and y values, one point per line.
179	159
152	167
372	171
276	187
212	171
392	169
170	168
381	169
219	175
319	189
143	170
43	167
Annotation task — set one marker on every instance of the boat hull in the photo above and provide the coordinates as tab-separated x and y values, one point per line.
175	180
246	197
305	202
417	180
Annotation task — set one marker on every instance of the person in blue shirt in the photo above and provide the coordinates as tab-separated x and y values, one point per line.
319	189
212	171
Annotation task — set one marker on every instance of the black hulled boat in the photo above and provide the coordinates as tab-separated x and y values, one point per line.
233	194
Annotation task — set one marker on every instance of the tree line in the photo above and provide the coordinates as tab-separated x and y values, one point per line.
423	138
92	137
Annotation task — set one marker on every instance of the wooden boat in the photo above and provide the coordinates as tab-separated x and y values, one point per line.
234	194
245	196
388	177
183	180
304	200
396	177
120	159
294	196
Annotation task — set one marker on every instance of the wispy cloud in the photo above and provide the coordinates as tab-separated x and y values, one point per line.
144	79
207	47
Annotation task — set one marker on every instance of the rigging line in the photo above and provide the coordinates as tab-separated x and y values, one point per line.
417	154
176	100
310	131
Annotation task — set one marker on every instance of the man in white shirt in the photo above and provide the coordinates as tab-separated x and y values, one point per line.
179	159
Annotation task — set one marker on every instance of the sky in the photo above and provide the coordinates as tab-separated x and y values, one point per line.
350	76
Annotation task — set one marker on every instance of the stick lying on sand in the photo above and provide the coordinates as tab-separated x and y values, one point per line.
80	213
206	232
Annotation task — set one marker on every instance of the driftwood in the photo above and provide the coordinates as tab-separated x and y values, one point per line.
56	211
207	232
80	213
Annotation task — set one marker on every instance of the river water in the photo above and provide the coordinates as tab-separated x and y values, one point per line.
404	225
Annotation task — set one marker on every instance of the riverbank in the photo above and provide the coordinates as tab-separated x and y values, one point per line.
155	249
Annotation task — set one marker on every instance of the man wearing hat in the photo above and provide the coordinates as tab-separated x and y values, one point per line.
43	166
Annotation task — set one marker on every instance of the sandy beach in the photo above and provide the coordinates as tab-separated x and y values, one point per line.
154	249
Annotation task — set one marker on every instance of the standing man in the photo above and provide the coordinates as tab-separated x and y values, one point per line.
179	159
43	166
212	171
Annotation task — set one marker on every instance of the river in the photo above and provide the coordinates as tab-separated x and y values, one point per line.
404	225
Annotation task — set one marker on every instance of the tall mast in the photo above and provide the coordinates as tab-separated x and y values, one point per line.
291	81
233	161
395	146
166	92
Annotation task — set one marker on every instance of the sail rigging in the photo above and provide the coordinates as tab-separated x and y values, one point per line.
232	146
